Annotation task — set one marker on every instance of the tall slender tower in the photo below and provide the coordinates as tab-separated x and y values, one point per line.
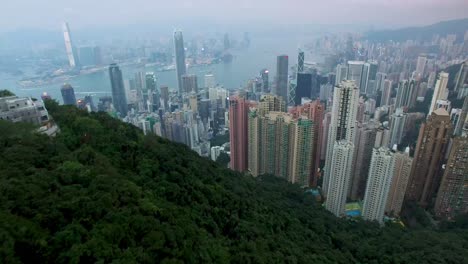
406	94
118	90
68	94
282	77
440	91
71	54
300	61
452	198
341	167
429	157
401	174
343	122
386	92
238	110
397	126
355	72
179	58
462	118
378	184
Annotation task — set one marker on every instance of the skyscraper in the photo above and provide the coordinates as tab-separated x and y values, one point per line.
119	99
378	184
429	157
71	54
165	96
440	91
189	83
210	81
282	77
303	88
355	72
238	110
300	62
264	77
421	65
364	143
270	103
406	94
68	94
368	75
452	198
340	176
179	58
343	123
462	118
386	93
397	127
401	174
341	73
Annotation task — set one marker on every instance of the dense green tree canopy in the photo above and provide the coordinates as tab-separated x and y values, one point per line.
101	192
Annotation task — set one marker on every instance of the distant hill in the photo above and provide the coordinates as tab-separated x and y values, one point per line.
457	27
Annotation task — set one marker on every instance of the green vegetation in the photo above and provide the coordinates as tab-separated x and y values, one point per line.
101	192
219	139
5	93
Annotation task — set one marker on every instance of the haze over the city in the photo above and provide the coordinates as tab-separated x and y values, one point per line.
89	13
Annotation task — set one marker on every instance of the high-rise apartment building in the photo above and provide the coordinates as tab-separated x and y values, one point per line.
68	94
406	94
340	176
397	127
343	122
119	99
452	197
386	92
282	77
238	122
421	66
355	73
369	74
429	157
440	91
210	81
270	102
378	184
341	73
462	118
401	174
179	58
189	83
364	143
71	53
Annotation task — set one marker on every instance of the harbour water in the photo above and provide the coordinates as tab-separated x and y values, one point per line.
246	64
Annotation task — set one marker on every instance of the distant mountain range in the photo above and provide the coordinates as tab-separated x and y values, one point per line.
458	27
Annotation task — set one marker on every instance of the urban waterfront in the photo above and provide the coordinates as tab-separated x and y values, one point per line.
246	63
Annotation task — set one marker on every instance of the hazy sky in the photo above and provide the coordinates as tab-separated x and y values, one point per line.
49	14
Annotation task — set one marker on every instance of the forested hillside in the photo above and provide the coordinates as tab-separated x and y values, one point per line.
102	192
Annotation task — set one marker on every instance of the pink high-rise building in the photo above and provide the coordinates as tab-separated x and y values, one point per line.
238	110
314	111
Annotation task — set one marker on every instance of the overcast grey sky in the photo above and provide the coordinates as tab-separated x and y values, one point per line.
49	14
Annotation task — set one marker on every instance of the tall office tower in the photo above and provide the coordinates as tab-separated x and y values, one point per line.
281	145
462	118
165	96
452	198
269	103
325	128
68	94
119	99
179	59
300	61
341	73
401	174
421	66
343	123
282	77
462	76
365	140
71	53
210	81
355	72
378	184
397	127
264	77
440	91
429	157
189	83
386	93
406	94
303	88
340	177
238	110
368	75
